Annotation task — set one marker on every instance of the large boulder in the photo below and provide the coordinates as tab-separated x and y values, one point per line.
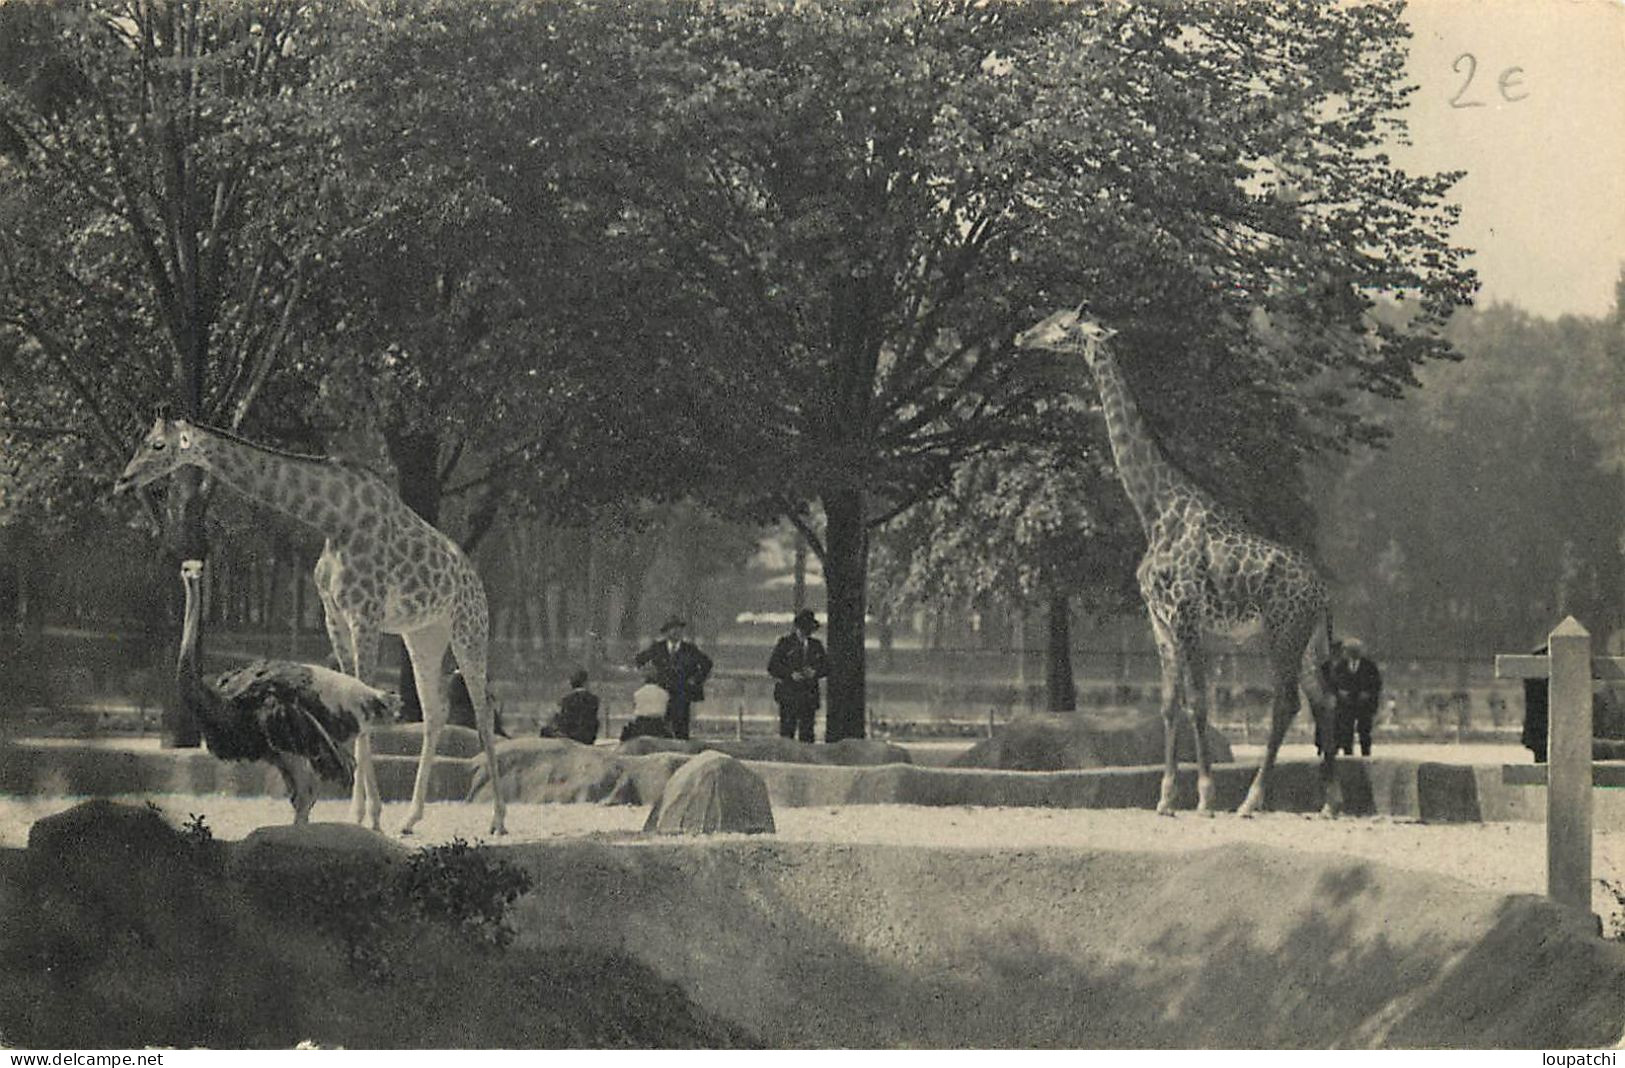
712	793
1060	742
643	779
128	933
561	771
301	850
551	771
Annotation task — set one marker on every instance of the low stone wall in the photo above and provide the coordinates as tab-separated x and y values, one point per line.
1430	792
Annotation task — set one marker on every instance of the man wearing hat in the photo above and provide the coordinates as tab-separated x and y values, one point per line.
1358	686
682	669
797	663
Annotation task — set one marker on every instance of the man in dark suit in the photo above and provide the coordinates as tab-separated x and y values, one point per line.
797	663
683	670
1358	686
577	717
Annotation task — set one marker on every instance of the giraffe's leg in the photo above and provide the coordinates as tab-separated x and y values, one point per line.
342	638
1194	659
366	802
470	656
1283	706
1172	708
427	647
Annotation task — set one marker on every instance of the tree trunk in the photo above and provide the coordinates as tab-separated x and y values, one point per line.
846	565
416	455
638	563
1058	684
798	595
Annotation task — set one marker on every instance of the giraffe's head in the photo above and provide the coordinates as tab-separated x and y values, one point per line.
168	445
1068	330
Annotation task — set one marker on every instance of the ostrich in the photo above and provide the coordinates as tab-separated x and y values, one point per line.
297	717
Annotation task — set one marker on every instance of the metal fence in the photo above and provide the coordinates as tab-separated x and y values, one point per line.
83	680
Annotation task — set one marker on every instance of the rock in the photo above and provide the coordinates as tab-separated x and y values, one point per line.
645	778
296	850
865	752
103	833
1059	742
712	793
850	752
643	744
771	748
551	771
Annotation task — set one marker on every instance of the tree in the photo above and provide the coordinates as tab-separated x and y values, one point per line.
864	202
1045	526
152	253
1496	509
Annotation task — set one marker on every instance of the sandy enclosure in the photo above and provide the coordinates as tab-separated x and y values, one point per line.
1506	858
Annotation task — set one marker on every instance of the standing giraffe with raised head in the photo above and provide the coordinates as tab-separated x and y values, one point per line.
1204	570
384	569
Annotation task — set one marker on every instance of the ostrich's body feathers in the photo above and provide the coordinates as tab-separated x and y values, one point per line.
270	709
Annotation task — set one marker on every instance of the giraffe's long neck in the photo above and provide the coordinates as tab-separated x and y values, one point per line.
296	486
1149	478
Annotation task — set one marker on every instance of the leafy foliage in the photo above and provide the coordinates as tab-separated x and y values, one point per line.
375	912
1497	509
463	886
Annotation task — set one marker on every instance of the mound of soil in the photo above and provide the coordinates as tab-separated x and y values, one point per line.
1084	740
116	931
1239	946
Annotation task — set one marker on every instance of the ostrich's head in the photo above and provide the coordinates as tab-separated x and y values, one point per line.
167	446
191	577
1068	330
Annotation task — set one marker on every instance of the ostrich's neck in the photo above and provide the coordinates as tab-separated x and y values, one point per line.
188	670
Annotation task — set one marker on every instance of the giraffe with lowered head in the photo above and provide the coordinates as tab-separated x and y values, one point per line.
1204	570
384	569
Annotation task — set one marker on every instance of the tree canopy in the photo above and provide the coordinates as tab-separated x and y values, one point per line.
769	254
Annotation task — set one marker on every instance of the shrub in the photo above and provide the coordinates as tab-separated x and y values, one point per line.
465	887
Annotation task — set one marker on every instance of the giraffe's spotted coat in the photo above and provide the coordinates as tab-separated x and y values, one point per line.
1205	569
384	569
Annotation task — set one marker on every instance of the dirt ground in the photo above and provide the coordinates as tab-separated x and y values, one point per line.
886	925
1504	858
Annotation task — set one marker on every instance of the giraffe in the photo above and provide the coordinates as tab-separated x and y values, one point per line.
384	569
1204	570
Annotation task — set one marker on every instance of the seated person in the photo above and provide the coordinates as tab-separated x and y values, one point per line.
649	708
577	717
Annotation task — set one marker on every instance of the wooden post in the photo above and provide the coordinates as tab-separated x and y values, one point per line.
1568	774
1570	668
